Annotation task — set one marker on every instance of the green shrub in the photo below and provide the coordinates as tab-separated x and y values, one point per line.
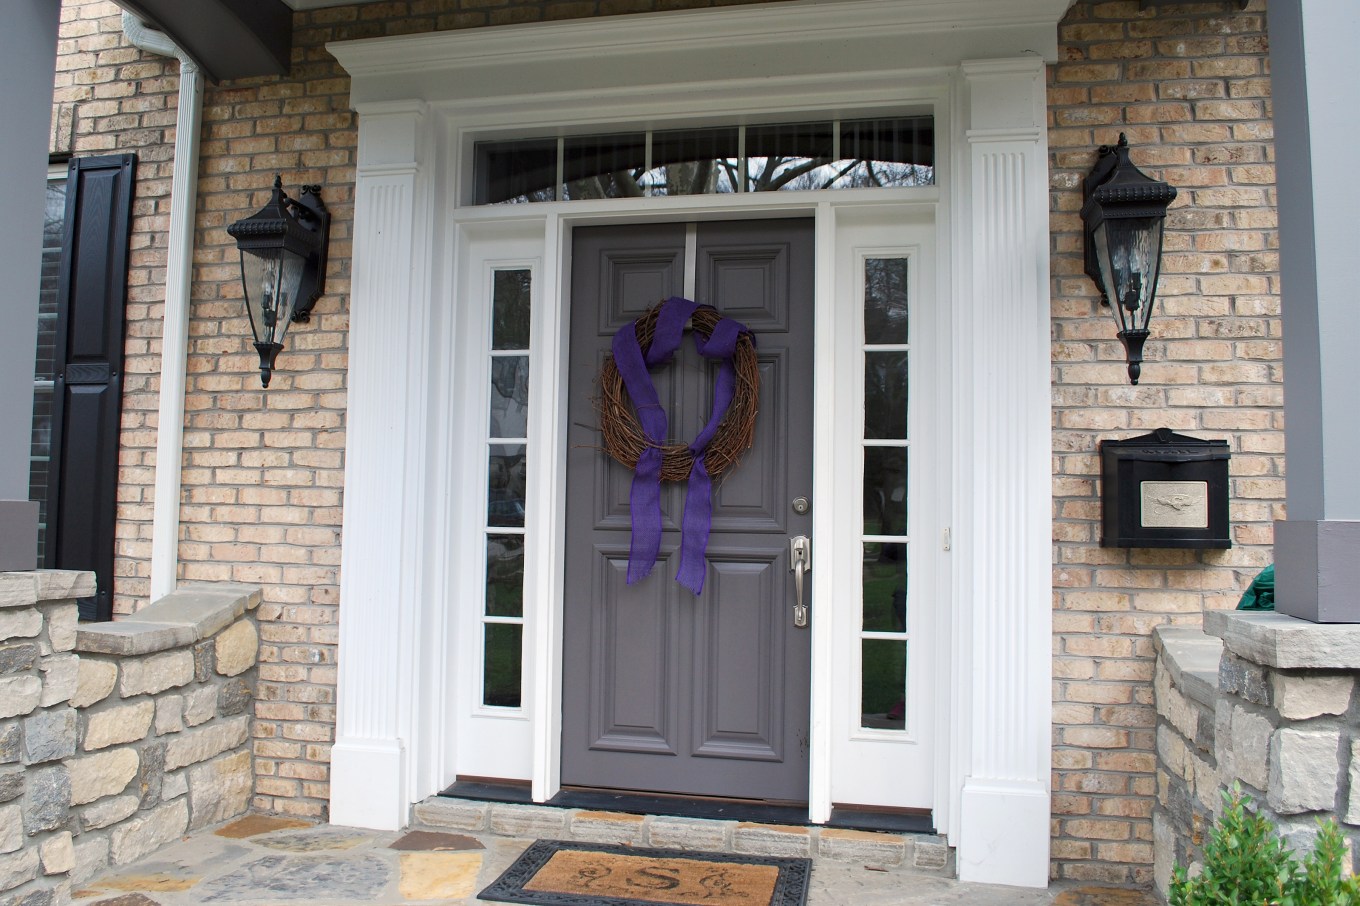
1246	864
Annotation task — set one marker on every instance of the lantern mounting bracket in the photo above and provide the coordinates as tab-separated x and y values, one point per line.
311	212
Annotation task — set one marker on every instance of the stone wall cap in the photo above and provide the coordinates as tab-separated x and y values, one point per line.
1191	657
132	637
191	613
1285	642
24	589
205	607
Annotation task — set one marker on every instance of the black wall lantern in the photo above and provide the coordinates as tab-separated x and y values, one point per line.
283	266
1124	211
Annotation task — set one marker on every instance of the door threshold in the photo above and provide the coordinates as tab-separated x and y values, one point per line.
747	810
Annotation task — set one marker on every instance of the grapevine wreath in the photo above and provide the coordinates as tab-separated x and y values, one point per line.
634	427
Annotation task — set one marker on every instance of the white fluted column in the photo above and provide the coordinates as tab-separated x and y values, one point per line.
1003	568
381	567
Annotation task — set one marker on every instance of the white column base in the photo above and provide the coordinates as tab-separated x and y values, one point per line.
367	783
1004	831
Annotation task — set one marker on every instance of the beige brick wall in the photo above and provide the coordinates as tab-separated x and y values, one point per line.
263	471
1189	84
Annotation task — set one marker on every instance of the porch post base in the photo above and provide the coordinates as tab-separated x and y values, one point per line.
367	783
1317	569
18	535
1004	833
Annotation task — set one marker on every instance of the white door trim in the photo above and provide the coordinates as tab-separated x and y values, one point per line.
420	101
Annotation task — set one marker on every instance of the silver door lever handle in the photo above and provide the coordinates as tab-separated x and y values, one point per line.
800	561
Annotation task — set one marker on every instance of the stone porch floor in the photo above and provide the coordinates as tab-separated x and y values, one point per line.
267	861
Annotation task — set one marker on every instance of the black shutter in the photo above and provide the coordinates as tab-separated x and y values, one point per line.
87	399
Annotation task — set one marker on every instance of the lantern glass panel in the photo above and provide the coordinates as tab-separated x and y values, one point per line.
1128	250
271	284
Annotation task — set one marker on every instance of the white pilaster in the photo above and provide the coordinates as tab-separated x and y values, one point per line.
381	571
1003	666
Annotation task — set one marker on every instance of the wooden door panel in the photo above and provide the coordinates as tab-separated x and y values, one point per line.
740	653
634	690
753	498
614	482
635	279
749	282
663	690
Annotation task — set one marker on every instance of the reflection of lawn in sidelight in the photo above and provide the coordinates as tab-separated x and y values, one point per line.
503	644
501	670
884	682
885	576
884	661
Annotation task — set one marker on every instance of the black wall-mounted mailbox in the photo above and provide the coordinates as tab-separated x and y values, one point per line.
1164	490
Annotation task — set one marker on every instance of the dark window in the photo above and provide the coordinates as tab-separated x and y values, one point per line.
40	455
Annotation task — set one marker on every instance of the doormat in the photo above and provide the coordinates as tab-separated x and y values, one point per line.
561	873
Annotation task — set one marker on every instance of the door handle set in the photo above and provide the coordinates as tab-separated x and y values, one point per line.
800	561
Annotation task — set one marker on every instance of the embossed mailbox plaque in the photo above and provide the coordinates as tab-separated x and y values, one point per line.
1164	490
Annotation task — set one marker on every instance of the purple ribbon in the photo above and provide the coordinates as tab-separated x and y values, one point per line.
644	499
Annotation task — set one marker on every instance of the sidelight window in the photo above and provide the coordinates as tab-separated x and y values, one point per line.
507	463
884	639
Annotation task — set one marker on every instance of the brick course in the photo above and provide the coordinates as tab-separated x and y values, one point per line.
263	472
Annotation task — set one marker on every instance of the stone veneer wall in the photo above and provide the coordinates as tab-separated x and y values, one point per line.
1265	701
116	738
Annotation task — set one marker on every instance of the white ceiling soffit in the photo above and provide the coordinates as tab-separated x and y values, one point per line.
809	37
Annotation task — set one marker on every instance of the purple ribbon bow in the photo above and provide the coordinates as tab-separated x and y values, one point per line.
644	498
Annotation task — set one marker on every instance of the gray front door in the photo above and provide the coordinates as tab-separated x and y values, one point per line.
664	691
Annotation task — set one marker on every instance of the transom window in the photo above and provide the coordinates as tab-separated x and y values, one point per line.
830	154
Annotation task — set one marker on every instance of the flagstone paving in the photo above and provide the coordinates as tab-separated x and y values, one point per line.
265	861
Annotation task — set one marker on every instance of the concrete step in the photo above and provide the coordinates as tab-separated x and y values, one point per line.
927	854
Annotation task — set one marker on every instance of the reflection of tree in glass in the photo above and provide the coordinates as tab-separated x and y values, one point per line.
885	395
809	174
510	379
885	300
700	177
720	176
510	311
508	472
717	176
614	184
885	491
509	396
